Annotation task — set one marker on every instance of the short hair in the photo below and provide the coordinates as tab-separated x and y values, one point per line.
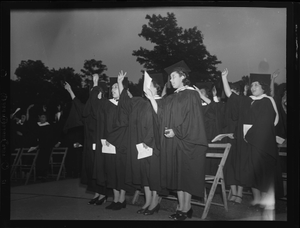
182	72
265	87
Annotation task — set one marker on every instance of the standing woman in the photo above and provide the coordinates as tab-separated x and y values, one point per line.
89	122
257	162
144	172
115	132
183	141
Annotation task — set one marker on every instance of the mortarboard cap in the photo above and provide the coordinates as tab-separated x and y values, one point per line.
112	81
261	78
179	65
158	78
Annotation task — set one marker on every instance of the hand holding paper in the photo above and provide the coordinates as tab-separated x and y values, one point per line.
107	148
143	152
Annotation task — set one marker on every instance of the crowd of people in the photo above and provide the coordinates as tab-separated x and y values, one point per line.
157	143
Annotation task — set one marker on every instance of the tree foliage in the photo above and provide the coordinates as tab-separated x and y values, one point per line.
91	67
173	44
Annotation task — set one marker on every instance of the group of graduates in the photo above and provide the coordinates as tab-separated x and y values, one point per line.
42	127
159	142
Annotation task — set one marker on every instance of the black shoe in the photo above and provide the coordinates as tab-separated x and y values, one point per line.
190	213
181	216
100	201
151	212
119	206
172	216
93	201
111	206
141	211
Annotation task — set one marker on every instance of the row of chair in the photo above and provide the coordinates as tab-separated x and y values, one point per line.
24	159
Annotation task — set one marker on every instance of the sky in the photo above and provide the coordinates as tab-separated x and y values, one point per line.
241	38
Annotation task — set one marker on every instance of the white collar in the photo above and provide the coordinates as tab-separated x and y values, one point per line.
183	88
43	124
156	97
273	103
114	101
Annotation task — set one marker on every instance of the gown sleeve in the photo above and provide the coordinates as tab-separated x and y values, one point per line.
75	115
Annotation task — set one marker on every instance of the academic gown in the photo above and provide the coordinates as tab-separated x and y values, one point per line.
258	164
88	156
115	131
213	121
230	126
45	138
142	129
183	156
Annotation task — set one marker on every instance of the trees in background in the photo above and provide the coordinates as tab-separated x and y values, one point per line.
173	44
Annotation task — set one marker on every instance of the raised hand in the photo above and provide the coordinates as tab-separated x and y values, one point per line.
225	72
95	79
214	91
121	76
275	74
199	91
67	86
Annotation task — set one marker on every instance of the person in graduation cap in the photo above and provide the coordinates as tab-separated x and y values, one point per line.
257	161
113	132
85	112
183	140
143	172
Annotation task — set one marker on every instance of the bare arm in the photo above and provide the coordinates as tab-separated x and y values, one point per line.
225	83
273	76
204	98
121	77
69	89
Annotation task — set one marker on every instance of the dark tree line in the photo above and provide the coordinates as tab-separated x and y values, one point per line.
36	83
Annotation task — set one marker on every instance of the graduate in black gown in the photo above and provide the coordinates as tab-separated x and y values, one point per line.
113	127
44	133
257	163
183	141
144	172
230	126
85	111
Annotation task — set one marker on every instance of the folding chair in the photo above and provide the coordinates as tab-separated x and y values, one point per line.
57	159
26	161
215	180
14	158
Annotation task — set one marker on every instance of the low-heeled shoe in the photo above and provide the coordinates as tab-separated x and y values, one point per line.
151	212
111	206
100	201
142	210
119	206
172	216
93	201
